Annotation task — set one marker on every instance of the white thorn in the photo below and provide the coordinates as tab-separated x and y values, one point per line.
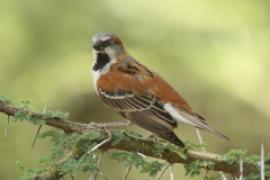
6	128
95	175
200	139
102	142
241	169
204	150
163	171
171	172
45	109
223	177
142	155
127	172
262	162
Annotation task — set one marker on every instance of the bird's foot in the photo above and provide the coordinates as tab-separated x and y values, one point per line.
152	137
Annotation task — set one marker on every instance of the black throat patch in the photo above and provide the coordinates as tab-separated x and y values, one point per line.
102	60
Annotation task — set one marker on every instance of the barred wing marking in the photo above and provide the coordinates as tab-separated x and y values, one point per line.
126	101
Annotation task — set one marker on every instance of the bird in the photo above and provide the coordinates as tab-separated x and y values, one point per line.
139	94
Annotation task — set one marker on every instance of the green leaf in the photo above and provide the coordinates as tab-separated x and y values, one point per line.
31	173
234	156
152	168
58	114
19	163
88	162
191	146
193	168
5	100
69	165
158	149
117	137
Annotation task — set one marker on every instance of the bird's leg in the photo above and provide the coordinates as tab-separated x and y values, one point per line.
153	138
129	123
105	127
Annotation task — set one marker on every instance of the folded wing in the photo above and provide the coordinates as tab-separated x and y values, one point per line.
144	110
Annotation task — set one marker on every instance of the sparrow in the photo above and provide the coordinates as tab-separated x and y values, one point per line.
138	94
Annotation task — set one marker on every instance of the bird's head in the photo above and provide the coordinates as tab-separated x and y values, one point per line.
107	43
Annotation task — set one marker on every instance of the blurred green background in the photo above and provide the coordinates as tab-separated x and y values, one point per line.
216	53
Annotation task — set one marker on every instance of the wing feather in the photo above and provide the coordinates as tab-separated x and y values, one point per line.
128	102
138	103
155	125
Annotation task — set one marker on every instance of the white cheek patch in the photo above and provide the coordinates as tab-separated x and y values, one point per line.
111	52
176	114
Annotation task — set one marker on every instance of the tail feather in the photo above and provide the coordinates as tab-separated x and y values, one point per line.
204	126
192	119
199	122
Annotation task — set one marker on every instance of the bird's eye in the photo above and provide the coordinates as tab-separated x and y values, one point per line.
106	43
101	45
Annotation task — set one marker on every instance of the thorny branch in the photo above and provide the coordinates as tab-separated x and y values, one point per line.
141	145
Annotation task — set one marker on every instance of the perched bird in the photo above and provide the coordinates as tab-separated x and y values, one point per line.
139	94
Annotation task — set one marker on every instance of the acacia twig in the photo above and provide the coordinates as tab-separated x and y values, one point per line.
140	145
